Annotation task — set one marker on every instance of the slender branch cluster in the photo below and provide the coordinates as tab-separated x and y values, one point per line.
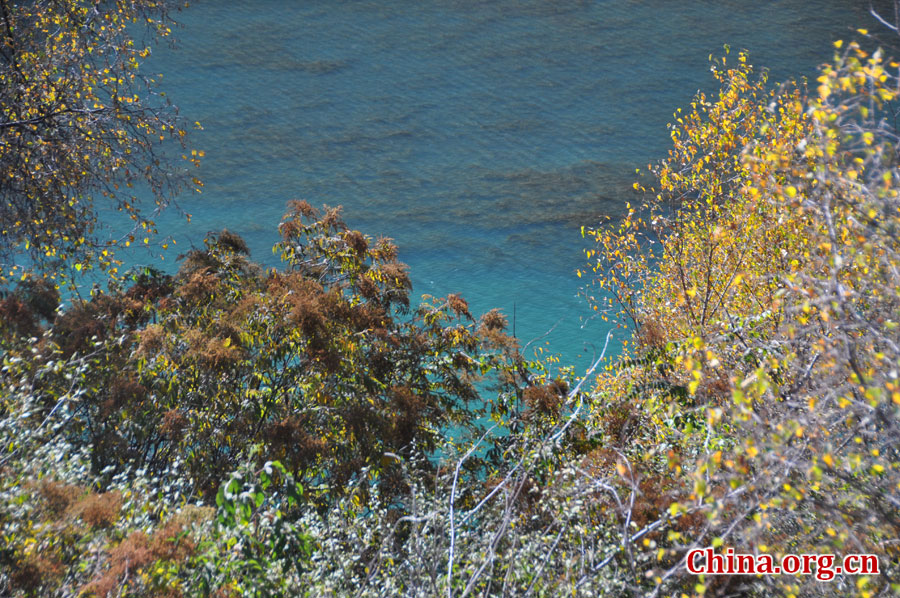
80	131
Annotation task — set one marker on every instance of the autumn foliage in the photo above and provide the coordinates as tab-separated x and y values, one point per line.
760	280
80	130
311	429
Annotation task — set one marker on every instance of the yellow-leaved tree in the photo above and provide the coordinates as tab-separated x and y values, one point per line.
79	130
761	280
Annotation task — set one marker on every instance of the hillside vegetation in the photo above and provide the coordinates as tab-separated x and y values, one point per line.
307	430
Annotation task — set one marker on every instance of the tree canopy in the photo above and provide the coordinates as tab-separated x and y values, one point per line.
760	281
80	131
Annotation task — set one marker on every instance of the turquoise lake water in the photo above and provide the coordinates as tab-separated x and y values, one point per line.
479	135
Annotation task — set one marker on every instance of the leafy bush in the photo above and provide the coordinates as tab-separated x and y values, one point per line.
761	282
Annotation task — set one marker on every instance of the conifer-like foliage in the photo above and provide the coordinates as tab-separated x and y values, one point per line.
79	131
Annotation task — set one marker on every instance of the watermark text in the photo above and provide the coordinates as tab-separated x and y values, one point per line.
705	561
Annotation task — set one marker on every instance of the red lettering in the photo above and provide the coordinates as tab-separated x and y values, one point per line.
702	561
715	563
745	564
791	564
868	563
765	564
691	556
808	559
824	564
868	559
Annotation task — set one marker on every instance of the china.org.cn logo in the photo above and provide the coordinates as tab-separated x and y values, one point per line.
705	561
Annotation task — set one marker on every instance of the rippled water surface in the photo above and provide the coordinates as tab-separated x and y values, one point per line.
480	135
